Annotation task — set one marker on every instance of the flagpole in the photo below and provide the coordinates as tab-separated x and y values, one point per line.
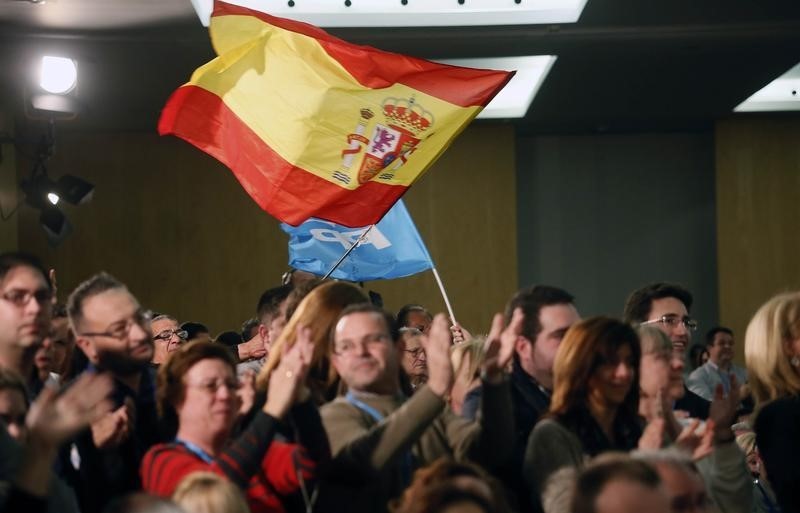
350	250
444	295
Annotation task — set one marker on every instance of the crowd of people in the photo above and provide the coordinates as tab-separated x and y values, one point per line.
326	402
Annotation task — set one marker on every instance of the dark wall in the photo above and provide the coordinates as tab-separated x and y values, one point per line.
601	215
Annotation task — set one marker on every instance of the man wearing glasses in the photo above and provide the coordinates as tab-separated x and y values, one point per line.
413	358
378	436
666	307
25	308
167	336
113	330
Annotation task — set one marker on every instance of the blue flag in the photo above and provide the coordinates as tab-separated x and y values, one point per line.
392	249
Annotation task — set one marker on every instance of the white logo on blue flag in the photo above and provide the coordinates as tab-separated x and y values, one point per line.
391	249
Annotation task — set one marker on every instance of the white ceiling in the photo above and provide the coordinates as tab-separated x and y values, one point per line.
92	14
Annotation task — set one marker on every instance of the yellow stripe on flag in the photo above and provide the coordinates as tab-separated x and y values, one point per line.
303	108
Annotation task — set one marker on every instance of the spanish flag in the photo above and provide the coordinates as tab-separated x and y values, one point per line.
313	126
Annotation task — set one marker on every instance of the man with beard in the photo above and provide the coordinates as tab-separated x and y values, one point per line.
113	331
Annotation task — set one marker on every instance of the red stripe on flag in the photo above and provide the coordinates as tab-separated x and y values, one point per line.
287	192
378	69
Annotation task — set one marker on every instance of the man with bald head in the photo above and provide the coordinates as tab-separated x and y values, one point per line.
113	331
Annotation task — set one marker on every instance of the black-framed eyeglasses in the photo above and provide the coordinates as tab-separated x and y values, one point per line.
674	321
120	330
167	334
21	297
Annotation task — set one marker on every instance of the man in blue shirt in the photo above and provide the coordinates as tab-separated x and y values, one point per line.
717	370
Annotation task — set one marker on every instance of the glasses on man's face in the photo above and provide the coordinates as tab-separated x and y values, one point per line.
416	353
673	321
167	334
213	385
119	330
346	347
20	297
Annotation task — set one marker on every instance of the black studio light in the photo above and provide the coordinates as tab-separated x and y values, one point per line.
44	194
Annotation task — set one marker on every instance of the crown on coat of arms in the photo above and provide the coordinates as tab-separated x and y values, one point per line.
407	115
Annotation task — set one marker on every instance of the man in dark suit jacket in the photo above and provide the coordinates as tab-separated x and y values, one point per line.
666	306
549	313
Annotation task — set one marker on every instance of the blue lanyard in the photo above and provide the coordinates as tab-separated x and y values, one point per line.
407	464
361	405
197	451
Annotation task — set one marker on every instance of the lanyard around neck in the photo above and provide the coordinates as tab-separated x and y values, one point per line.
196	450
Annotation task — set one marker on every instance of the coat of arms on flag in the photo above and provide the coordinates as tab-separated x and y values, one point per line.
391	142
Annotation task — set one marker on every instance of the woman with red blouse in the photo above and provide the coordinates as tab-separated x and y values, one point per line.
197	387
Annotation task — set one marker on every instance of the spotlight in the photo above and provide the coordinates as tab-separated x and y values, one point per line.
38	191
59	75
44	195
53	94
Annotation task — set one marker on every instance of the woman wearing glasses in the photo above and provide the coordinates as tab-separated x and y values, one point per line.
772	354
197	389
595	402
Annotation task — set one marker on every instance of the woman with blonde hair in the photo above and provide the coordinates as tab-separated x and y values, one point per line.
772	354
466	358
318	311
206	492
772	349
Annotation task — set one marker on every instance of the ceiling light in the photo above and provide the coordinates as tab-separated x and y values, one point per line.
782	94
413	13
59	75
53	198
515	98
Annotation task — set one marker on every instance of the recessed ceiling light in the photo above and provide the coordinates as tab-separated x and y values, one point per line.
781	94
413	13
515	98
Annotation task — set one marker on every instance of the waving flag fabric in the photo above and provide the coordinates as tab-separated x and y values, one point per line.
315	126
391	249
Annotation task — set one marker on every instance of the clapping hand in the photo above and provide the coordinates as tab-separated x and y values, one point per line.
55	418
500	345
437	356
287	381
697	442
723	411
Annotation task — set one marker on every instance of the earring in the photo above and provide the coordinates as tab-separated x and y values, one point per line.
795	361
